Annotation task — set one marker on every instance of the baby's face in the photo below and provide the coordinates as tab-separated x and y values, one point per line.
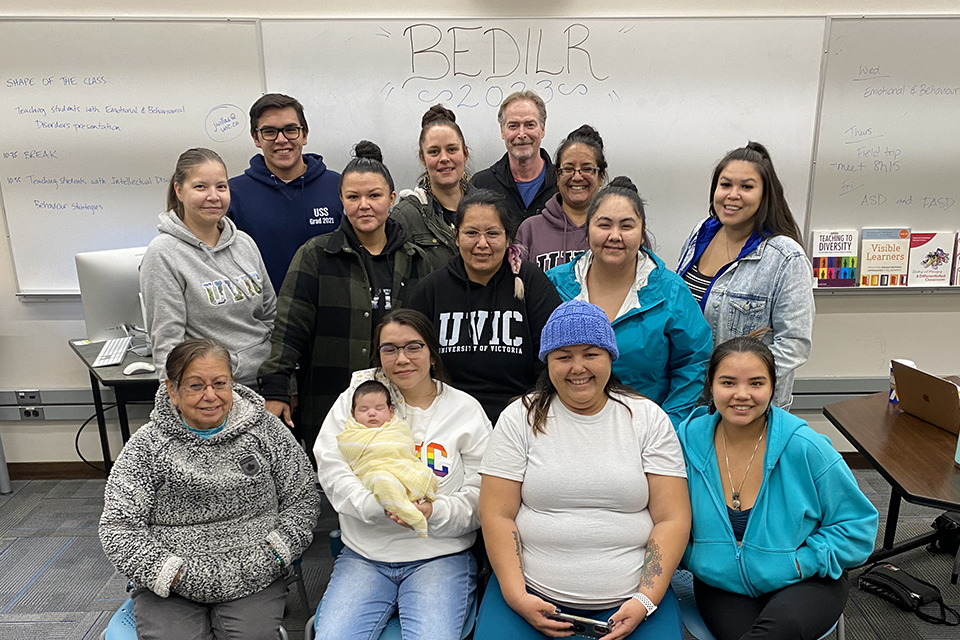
372	410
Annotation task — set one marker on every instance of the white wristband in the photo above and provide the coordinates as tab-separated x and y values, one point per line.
646	602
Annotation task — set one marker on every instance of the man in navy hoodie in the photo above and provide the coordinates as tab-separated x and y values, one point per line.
286	196
524	175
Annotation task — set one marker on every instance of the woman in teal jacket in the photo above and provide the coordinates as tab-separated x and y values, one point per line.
663	339
777	514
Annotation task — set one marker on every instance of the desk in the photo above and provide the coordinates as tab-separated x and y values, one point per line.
142	386
914	456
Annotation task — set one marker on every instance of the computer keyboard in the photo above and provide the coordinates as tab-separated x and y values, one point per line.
112	352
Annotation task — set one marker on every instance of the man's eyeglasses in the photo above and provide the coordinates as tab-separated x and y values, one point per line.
270	133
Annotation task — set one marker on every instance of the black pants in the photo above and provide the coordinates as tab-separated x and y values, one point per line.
803	611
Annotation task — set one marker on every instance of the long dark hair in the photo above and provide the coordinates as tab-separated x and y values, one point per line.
743	344
773	216
537	402
422	325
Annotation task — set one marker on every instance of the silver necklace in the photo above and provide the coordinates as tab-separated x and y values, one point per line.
736	492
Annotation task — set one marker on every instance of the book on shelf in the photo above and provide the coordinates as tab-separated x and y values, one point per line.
955	278
931	258
834	258
884	256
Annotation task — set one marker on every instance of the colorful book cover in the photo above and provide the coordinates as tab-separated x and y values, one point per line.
931	259
834	258
884	255
955	281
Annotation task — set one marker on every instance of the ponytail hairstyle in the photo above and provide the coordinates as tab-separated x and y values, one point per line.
439	116
186	163
496	201
773	217
367	158
623	186
590	138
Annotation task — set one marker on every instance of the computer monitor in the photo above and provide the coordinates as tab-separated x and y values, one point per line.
110	292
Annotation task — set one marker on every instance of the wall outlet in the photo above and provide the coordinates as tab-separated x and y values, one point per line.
31	413
28	397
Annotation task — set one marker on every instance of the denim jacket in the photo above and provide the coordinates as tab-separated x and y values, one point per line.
769	287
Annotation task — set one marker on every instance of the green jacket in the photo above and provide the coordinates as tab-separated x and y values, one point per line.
417	214
324	321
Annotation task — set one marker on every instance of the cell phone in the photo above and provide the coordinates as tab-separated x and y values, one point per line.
586	627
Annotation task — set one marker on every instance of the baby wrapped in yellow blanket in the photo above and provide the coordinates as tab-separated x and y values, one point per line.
379	448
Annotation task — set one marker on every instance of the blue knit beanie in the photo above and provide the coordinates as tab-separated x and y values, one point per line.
578	322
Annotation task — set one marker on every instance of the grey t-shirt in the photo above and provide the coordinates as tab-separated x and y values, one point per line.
583	517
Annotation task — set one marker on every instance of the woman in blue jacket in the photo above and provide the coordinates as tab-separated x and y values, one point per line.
777	515
663	339
746	267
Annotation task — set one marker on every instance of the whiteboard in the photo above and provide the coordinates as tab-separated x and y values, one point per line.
669	96
888	150
95	114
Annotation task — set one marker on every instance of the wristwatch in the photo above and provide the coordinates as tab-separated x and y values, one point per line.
646	602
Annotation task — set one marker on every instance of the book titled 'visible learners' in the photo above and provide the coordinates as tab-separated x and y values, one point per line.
931	259
883	257
834	258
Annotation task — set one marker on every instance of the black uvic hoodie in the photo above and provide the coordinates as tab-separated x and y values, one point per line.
489	339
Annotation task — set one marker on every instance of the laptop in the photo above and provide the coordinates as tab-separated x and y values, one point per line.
928	397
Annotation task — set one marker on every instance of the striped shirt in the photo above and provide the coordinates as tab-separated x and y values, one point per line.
697	282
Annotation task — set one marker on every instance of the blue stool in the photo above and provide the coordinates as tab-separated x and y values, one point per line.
682	583
122	625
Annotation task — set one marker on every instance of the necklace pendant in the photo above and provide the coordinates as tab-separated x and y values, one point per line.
736	501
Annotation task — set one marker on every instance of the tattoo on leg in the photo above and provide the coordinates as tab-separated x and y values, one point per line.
651	564
516	539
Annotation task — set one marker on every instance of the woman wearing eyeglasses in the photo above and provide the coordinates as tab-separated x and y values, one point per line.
286	196
488	306
385	567
207	504
337	289
558	234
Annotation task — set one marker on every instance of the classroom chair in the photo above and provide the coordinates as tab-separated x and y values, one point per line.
682	583
122	626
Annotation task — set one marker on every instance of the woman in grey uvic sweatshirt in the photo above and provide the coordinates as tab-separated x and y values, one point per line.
202	277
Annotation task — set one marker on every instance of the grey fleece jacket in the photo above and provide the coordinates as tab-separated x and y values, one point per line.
192	290
209	509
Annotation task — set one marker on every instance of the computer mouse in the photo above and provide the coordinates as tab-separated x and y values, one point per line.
134	368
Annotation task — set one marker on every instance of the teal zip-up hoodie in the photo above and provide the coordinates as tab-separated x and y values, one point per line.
664	344
809	512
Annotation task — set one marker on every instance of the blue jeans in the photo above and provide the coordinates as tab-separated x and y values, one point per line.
497	620
432	596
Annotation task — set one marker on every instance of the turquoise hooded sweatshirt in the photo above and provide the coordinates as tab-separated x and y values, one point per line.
664	344
809	512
